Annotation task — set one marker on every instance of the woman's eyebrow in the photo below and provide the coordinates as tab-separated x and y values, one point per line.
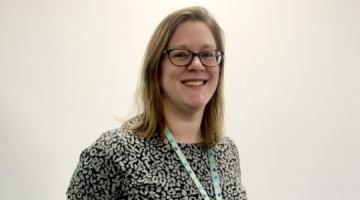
180	46
183	46
206	46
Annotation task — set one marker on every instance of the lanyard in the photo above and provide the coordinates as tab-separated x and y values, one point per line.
214	174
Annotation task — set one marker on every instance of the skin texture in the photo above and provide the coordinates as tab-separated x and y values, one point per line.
184	105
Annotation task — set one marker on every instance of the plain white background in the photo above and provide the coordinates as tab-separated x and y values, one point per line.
292	89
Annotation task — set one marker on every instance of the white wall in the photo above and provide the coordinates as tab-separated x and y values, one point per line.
67	68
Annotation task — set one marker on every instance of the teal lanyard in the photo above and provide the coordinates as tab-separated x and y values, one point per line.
214	174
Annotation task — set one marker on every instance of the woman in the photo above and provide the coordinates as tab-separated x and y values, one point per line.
174	149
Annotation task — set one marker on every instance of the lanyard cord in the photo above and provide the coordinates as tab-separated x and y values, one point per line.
214	174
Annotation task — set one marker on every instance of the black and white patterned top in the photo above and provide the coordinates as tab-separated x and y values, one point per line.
120	165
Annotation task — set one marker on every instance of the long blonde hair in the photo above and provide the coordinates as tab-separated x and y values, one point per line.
149	98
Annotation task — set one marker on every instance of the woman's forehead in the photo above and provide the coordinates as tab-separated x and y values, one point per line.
192	35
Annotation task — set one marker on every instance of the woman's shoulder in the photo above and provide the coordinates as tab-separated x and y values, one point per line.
226	141
227	153
119	138
103	164
123	131
227	145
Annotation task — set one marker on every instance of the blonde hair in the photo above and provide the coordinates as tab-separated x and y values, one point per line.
149	97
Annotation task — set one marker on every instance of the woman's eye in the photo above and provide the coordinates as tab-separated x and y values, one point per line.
180	55
207	54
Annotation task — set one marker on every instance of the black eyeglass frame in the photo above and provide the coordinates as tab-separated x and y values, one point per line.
168	51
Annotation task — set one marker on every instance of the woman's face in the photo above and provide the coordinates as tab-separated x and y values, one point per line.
189	88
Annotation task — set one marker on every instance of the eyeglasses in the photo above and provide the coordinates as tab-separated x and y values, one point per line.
183	57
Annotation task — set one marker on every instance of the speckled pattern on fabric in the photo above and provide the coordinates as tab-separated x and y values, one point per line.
122	165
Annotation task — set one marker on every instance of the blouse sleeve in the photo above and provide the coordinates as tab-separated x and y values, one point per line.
243	195
96	176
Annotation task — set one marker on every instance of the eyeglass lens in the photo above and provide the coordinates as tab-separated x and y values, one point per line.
182	57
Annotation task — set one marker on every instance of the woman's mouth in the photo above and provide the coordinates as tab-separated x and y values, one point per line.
194	83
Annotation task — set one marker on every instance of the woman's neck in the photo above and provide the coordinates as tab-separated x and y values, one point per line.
185	128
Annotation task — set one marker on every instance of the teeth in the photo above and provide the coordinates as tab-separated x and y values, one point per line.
194	83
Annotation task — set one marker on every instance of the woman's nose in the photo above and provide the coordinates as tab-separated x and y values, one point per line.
196	64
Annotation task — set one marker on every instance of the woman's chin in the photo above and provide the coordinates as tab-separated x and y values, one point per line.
196	105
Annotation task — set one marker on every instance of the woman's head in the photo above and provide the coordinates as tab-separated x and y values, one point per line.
151	93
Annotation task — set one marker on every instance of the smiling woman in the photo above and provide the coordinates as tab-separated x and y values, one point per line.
174	148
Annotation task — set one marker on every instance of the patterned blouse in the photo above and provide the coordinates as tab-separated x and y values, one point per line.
120	165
